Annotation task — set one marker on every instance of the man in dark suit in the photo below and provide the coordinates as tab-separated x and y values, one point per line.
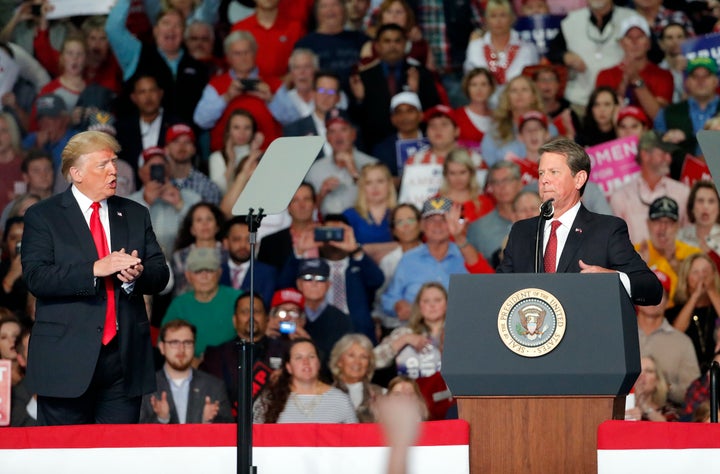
89	257
381	79
236	269
184	395
577	240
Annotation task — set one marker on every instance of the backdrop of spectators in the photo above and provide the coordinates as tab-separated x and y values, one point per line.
207	305
10	159
53	131
335	175
181	150
352	363
37	176
697	306
184	394
635	77
632	200
201	227
167	204
239	88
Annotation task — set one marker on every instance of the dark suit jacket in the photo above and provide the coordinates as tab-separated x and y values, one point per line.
276	249
57	259
265	276
372	115
129	135
202	385
302	128
596	239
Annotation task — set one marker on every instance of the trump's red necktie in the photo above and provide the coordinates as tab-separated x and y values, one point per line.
551	249
98	234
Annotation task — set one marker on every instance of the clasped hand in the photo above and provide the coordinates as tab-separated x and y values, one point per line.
127	266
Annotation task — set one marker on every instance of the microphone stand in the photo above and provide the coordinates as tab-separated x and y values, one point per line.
246	351
547	210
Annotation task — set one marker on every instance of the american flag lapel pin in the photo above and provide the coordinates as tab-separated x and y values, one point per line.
578	230
119	214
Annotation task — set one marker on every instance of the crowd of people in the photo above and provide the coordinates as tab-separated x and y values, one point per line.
433	115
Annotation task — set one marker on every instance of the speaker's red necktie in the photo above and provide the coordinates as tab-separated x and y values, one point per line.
98	234
551	249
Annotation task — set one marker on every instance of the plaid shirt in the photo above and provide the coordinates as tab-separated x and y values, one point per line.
665	17
697	393
202	185
431	20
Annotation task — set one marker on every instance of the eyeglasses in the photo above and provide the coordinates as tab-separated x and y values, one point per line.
287	314
408	221
313	278
325	90
175	343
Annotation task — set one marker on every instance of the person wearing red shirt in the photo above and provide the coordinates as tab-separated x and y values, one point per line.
641	82
275	35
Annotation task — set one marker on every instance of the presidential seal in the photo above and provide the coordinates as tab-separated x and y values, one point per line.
531	322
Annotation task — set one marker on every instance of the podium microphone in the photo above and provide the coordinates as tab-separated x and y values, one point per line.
547	210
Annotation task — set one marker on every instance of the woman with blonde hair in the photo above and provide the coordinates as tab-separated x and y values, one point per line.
352	363
651	390
697	305
370	218
460	185
520	96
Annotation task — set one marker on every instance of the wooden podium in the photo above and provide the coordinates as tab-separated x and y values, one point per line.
539	414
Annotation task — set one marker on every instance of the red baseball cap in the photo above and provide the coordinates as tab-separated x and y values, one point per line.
178	130
287	295
635	112
664	280
533	115
153	151
439	111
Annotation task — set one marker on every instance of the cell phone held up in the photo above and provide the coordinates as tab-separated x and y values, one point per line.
329	234
36	10
157	173
288	327
249	84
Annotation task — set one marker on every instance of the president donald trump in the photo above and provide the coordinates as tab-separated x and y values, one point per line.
573	238
89	257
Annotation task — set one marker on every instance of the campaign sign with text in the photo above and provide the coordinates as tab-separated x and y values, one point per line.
407	148
707	46
420	182
694	169
539	30
613	163
68	8
5	387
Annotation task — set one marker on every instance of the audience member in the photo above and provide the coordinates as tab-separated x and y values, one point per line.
201	228
326	324
199	40
356	11
474	119
550	79
13	291
670	40
631	121
460	184
181	150
208	305
239	88
299	396
10	159
295	98
437	258
703	211
406	116
236	268
698	394
672	349
184	394
697	306
377	82
352	363
599	121
23	404
167	204
53	132
240	139
632	200
487	233
10	329
662	250
679	123
334	176
222	361
297	239
37	179
287	319
651	389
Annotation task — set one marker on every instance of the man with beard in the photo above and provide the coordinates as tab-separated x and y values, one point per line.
235	270
632	200
184	395
222	360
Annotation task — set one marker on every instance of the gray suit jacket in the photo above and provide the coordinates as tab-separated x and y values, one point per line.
202	385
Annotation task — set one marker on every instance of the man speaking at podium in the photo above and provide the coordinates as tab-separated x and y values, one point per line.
573	238
89	257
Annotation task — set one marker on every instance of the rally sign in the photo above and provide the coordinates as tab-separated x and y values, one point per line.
5	388
404	149
705	46
539	30
613	163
